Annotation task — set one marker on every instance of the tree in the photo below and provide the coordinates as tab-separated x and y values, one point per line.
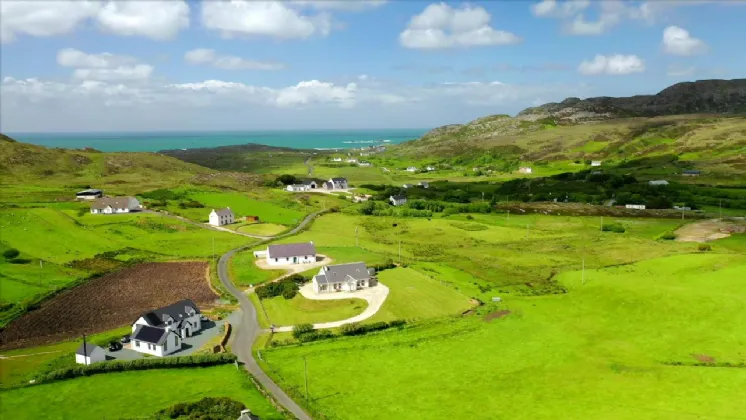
286	179
11	253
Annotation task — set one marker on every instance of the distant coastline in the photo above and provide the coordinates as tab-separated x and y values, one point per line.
152	142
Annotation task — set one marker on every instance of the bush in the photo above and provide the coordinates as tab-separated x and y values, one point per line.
208	408
139	364
287	287
613	227
704	247
301	330
11	253
668	236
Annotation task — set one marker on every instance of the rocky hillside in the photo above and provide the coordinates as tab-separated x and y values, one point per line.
700	97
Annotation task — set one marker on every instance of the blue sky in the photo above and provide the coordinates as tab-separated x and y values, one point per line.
89	65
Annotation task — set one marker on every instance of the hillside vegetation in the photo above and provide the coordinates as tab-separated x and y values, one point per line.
605	128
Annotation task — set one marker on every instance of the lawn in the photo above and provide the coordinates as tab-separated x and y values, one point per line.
596	351
242	205
263	229
244	271
132	394
300	310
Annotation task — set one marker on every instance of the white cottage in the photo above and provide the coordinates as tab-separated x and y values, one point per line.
635	206
221	217
160	332
398	200
115	205
89	353
343	278
284	254
658	182
596	163
412	169
525	170
298	188
89	194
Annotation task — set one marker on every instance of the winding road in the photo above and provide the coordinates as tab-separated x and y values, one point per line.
248	329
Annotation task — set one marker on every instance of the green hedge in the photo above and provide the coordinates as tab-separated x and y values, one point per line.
208	408
139	364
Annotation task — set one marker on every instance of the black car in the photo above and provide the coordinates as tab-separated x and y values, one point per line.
115	346
125	339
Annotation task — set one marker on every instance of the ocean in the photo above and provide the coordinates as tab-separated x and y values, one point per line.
151	142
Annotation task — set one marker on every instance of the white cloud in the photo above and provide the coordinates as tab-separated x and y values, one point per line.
43	18
612	65
679	71
228	62
104	66
70	57
262	18
156	19
342	5
552	8
678	41
442	26
314	91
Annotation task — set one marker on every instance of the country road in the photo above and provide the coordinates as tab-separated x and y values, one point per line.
248	329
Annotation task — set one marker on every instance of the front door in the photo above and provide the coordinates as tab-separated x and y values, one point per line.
295	260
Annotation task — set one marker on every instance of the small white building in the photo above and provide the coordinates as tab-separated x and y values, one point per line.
351	160
635	206
89	353
284	254
298	188
595	163
115	205
658	182
430	168
398	200
423	184
160	332
343	278
407	186
525	170
412	169
337	159
364	163
221	217
90	194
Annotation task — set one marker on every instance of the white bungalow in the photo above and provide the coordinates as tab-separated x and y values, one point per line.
298	188
525	170
284	254
115	205
351	160
423	184
89	194
89	353
658	182
364	163
430	168
635	206
221	217
398	200
412	169
337	159
343	278
407	186
596	163
160	332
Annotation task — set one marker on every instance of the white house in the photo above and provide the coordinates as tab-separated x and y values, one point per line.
407	186
89	353
221	217
364	163
430	168
284	254
412	169
351	160
336	184
423	184
343	278
525	170
658	182
635	206
398	200
337	159
310	183
90	194
115	205
595	163
246	415
298	188
160	332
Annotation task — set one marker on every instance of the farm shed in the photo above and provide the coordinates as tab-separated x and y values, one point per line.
90	194
89	353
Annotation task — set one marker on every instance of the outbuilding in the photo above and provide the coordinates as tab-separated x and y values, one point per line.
90	194
89	353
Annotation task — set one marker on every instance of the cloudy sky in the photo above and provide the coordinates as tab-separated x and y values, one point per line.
89	65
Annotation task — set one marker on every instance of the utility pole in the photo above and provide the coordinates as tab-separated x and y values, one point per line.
305	374
213	250
483	196
526	230
682	214
602	224
508	215
582	273
399	252
356	243
85	351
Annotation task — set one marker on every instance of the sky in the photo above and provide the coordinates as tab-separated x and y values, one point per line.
102	65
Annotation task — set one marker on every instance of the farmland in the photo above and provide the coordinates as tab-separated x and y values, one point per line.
111	301
81	398
611	333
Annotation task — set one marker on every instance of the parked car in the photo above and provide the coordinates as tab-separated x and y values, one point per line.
115	346
125	339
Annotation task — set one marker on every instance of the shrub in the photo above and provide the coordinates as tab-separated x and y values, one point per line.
668	236
11	253
704	247
208	408
613	227
302	329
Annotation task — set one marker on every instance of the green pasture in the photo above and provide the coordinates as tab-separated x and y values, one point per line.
300	310
134	394
263	229
245	272
596	351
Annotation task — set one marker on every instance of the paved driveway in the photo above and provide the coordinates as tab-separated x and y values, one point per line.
191	344
375	296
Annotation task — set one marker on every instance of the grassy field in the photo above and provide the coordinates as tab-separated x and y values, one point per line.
594	352
244	271
264	229
300	310
132	394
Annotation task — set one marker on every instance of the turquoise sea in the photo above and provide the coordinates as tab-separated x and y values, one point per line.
151	142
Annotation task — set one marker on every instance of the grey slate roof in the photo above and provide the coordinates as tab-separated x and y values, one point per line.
335	180
291	250
691	171
176	311
150	334
338	273
89	348
398	197
224	212
308	182
114	202
328	185
89	192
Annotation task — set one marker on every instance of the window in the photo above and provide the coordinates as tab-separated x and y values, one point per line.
137	344
165	345
275	259
177	340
